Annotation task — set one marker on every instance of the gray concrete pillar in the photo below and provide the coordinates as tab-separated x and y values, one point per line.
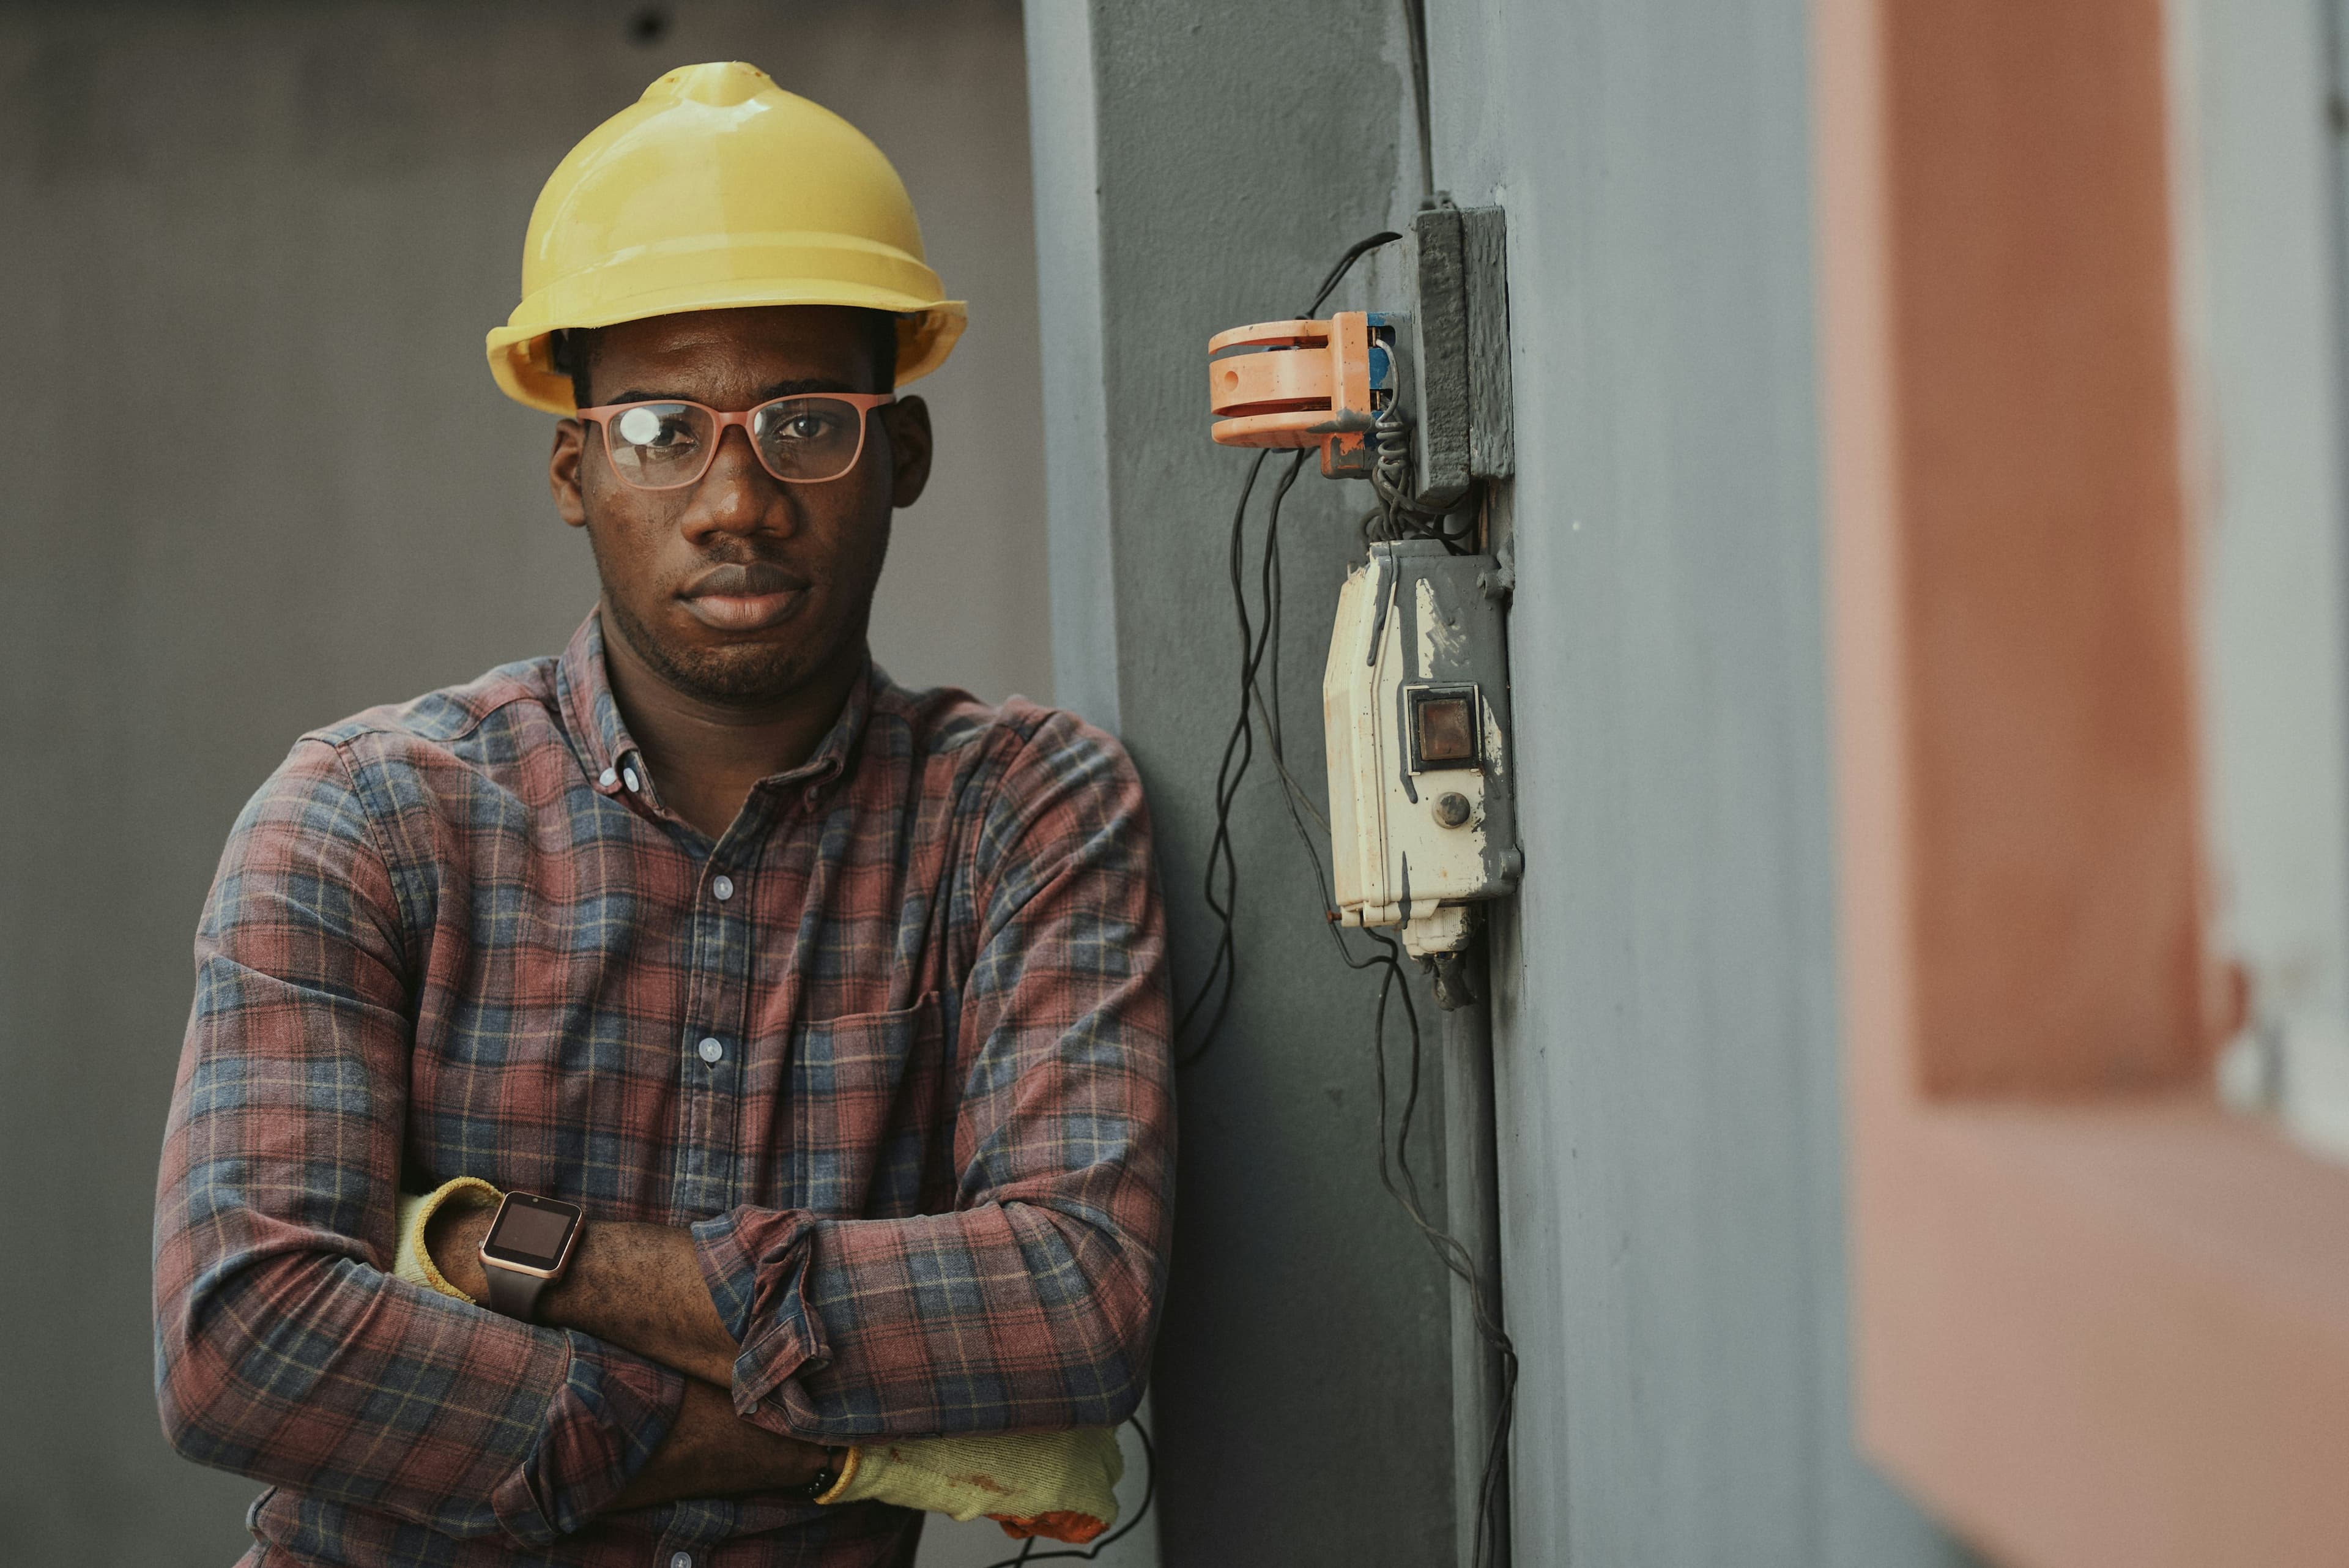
1199	167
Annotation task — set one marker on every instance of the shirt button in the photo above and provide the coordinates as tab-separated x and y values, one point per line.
722	889
630	774
680	1560
608	778
710	1049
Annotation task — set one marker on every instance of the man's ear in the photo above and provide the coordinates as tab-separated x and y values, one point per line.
563	471
907	420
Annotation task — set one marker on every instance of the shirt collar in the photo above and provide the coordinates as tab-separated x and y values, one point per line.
585	694
837	750
610	754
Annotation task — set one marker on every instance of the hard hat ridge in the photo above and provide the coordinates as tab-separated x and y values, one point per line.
718	189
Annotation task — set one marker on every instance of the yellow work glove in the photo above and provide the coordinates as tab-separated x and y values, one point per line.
1060	1485
413	1263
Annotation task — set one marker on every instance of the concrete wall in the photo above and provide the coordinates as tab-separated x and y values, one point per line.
1200	166
1666	1022
257	477
1666	1033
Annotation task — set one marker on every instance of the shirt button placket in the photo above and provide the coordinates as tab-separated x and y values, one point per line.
719	941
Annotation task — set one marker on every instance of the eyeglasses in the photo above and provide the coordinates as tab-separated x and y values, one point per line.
804	439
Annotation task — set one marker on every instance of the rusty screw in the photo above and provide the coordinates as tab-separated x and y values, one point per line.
1451	809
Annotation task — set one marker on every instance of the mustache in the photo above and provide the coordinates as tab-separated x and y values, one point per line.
742	578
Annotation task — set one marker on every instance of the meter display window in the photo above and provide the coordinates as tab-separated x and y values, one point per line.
1445	731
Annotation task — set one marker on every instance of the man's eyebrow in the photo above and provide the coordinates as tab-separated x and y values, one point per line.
789	389
766	394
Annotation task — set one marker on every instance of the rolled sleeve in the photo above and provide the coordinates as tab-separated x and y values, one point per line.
755	1262
611	1413
285	1349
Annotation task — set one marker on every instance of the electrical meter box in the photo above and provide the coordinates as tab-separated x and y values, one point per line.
1422	807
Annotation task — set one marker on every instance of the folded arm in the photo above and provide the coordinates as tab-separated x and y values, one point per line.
637	1286
1060	1485
1028	1307
285	1351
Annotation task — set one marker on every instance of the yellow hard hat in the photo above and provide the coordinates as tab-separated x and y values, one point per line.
718	188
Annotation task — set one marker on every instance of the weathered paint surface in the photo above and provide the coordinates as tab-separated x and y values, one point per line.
1665	1032
1416	621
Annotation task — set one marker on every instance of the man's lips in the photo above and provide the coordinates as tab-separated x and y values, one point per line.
747	597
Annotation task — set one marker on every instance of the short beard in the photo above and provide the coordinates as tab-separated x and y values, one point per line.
739	676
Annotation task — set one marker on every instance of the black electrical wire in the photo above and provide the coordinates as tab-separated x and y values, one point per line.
1414	27
1398	515
1239	747
1239	750
1261	661
1449	1250
1220	882
1346	265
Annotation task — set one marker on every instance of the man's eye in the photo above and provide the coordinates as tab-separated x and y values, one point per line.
805	427
651	428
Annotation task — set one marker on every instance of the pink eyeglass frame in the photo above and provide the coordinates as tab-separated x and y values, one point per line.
863	402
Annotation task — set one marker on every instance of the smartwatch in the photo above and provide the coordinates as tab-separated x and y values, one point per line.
527	1249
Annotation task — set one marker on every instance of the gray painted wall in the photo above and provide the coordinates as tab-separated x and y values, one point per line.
1201	165
1302	1384
1671	1154
257	477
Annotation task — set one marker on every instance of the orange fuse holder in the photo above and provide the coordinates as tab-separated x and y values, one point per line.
1305	384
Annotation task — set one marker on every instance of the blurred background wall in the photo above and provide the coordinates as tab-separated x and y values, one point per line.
1665	1024
255	476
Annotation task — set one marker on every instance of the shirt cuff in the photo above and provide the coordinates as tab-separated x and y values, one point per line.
756	1262
613	1410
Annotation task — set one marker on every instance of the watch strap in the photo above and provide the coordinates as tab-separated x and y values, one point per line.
839	1464
513	1293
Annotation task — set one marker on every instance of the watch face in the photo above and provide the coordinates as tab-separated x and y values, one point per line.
531	1232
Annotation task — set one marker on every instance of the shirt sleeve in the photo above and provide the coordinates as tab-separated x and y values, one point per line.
285	1349
1031	1305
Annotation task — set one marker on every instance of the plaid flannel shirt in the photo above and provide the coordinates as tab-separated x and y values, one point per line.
895	1047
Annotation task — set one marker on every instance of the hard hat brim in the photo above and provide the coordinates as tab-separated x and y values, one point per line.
520	362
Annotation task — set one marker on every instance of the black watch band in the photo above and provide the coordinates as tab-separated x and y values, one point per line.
514	1294
528	1248
821	1482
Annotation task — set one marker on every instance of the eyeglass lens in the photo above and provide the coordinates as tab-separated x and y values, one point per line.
801	440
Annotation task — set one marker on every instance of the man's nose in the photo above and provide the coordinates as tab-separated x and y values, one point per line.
737	495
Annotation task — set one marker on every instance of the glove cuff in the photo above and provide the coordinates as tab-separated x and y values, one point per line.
844	1488
414	1262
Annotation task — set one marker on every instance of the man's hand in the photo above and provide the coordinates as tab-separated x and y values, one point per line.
635	1286
712	1453
1061	1485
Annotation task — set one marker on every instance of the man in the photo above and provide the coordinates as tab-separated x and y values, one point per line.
809	1033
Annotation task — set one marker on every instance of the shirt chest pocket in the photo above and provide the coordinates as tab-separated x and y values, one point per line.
865	1107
